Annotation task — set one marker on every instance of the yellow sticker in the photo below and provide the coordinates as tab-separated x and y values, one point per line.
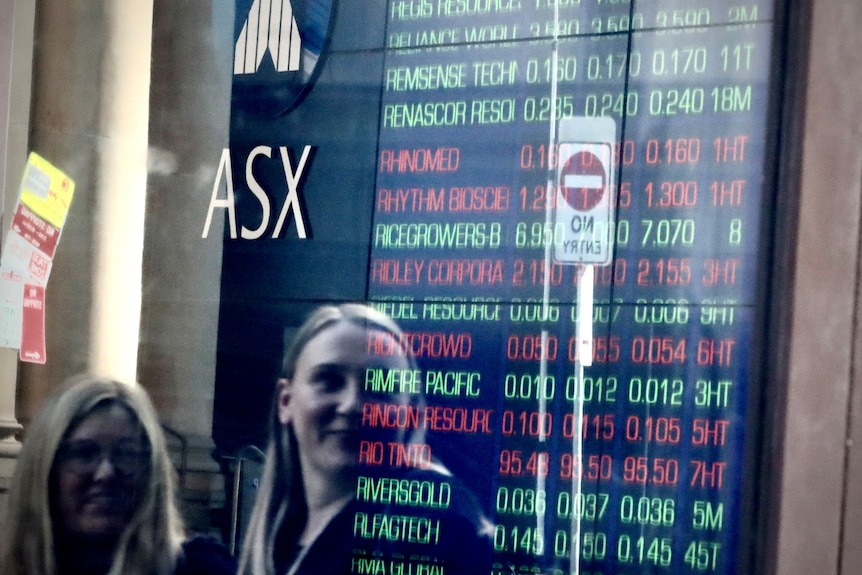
46	190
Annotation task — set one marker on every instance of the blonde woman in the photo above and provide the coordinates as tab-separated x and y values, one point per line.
310	517
93	492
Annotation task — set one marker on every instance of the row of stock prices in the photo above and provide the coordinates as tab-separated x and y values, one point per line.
647	476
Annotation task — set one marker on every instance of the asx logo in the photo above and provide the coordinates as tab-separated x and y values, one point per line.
274	32
278	53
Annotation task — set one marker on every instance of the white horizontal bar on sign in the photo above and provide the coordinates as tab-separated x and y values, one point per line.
583	181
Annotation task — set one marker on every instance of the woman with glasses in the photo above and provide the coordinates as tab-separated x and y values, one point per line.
319	509
93	492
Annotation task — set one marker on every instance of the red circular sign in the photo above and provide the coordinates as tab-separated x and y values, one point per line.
583	181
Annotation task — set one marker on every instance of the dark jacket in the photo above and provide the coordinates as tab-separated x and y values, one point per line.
205	556
447	535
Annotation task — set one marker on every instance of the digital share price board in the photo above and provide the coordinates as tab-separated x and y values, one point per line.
446	168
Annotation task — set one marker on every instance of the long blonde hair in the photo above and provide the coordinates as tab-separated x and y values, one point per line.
280	509
151	542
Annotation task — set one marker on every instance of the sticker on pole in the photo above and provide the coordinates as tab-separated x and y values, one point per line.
583	210
28	255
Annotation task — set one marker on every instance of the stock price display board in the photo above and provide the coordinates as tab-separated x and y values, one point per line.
636	462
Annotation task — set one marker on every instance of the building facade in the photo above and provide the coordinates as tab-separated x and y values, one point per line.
135	103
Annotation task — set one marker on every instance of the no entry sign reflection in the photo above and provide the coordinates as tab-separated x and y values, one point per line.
583	180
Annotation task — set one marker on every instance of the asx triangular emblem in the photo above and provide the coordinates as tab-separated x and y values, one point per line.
278	52
270	28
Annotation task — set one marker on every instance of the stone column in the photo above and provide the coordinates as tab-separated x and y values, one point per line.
122	178
89	118
190	89
16	56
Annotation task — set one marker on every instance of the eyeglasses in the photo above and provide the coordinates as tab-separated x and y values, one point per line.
84	456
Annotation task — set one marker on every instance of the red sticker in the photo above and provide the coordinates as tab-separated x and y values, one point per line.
35	230
33	325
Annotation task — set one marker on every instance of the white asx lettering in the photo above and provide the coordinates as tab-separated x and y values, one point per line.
292	178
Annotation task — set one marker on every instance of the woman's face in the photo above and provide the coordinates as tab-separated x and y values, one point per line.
323	401
100	467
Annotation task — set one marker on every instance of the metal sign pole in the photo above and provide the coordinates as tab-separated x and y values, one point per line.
546	276
585	359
